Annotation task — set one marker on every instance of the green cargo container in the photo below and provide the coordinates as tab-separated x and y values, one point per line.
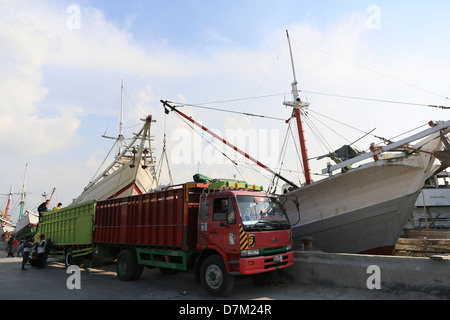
70	230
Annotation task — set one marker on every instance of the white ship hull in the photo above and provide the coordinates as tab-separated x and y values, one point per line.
28	221
123	183
6	228
364	209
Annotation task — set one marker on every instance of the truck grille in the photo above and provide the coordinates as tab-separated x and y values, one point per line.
270	263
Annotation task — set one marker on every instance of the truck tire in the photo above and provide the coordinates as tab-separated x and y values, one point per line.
214	276
69	260
127	266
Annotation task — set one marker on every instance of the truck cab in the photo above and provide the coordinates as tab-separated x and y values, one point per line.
241	231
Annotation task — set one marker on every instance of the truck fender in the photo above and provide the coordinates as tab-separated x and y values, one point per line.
206	253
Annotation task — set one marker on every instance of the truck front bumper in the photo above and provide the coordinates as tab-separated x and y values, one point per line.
260	264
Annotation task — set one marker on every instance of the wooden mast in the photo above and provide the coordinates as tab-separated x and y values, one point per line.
24	192
9	202
121	137
297	104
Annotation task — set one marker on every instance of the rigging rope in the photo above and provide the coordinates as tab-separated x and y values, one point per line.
374	71
202	105
229	111
376	100
274	181
164	155
212	145
310	124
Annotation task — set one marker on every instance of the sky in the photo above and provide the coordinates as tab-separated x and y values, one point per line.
62	63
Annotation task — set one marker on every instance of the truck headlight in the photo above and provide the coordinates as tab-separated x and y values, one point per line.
289	247
250	253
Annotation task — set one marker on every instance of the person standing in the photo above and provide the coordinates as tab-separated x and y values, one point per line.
15	245
43	208
10	250
26	251
41	252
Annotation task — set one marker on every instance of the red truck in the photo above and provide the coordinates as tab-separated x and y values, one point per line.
219	230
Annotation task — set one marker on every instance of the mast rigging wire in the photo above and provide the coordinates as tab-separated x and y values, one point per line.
376	100
374	71
202	105
229	111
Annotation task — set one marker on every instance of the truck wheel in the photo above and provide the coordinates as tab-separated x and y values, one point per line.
214	276
69	260
127	267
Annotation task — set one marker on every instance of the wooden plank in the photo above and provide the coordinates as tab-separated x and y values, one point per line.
428	234
412	241
412	254
421	247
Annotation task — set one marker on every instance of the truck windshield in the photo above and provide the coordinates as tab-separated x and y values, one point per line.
262	213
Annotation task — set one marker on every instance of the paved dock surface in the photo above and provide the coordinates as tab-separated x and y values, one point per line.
101	283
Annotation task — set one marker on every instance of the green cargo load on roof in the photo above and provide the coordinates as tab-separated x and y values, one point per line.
218	183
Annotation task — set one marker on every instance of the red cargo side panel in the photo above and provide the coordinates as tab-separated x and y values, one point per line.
163	220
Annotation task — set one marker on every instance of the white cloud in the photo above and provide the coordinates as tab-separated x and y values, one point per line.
22	90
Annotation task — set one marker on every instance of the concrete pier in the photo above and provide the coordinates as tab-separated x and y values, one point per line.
384	273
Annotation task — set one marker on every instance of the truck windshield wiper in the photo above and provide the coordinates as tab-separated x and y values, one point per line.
261	225
280	224
268	225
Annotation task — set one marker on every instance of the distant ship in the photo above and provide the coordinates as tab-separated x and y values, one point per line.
28	221
132	171
6	225
432	208
27	225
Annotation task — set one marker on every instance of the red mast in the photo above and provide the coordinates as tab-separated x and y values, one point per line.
297	104
9	202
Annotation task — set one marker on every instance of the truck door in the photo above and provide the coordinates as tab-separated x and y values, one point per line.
203	217
222	227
